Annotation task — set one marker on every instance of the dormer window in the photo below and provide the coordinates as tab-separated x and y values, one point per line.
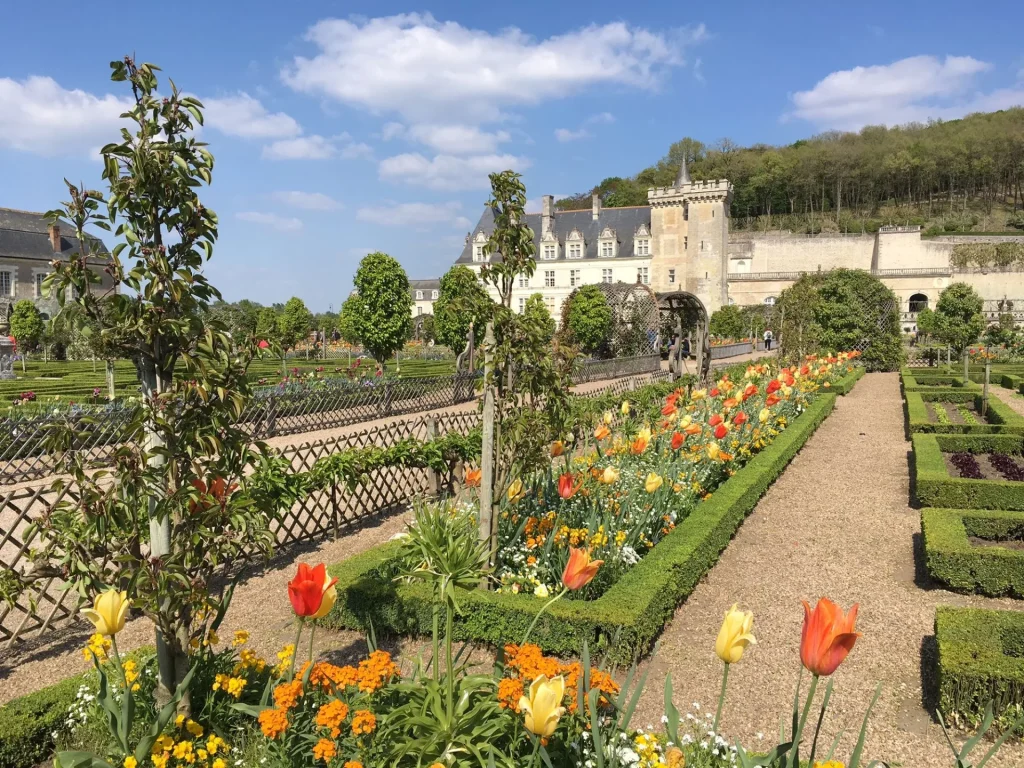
642	241
478	247
550	252
608	244
575	245
548	246
419	295
433	295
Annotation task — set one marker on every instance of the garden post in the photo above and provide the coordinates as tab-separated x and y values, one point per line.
433	478
966	364
110	380
947	357
984	393
487	447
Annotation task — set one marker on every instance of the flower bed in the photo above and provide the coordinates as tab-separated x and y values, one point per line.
928	381
959	412
936	483
627	615
964	549
980	661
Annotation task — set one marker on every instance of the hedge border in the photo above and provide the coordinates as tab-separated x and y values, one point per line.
964	567
973	665
1001	418
916	381
625	620
935	487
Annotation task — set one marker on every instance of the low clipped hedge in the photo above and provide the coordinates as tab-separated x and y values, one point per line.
935	487
927	381
1009	381
1001	419
963	567
625	620
845	384
27	724
980	660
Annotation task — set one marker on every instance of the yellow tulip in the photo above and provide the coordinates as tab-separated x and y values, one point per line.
685	422
734	636
713	450
609	417
698	394
644	434
543	707
516	491
764	415
109	611
653	482
625	408
610	475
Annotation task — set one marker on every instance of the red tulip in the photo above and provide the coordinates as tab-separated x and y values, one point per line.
827	637
569	484
715	420
263	344
739	418
749	392
771	400
773	385
677	441
306	591
721	431
669	409
580	570
714	392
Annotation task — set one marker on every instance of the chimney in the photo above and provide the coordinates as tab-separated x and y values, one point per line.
547	213
55	238
596	205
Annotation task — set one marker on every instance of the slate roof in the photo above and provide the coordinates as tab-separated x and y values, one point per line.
26	235
624	221
430	284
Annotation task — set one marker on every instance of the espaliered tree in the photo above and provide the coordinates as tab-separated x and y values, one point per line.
382	306
178	502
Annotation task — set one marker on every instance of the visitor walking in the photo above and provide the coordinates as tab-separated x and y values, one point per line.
768	340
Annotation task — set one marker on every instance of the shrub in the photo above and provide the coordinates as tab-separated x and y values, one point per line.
935	487
588	320
964	567
1001	419
28	724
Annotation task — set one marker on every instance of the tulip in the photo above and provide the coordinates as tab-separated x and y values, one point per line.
653	482
473	476
693	429
610	475
311	594
580	570
771	400
714	392
516	491
557	449
542	709
609	417
698	394
721	431
625	408
828	635
678	439
715	420
739	418
669	409
685	421
714	451
601	433
764	415
568	485
749	392
109	612
732	402
734	636
773	385
638	446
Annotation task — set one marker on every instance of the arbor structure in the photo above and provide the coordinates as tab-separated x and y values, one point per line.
462	303
384	320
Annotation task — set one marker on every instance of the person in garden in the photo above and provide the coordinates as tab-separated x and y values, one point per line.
768	339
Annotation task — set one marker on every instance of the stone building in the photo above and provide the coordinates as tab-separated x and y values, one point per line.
28	243
424	294
682	242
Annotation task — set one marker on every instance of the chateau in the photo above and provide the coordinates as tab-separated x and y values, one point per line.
681	241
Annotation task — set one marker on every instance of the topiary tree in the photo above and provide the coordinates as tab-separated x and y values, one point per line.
385	318
727	322
958	320
27	327
588	320
536	312
294	323
462	302
348	320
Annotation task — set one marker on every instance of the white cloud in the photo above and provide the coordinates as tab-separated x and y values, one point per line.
564	134
357	150
301	148
416	215
603	117
447	172
271	220
391	131
38	115
913	89
309	201
242	115
456	139
437	69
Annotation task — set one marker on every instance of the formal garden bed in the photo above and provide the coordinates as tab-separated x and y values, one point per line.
975	551
928	381
960	411
969	471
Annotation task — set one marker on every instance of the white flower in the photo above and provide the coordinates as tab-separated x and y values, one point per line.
540	590
696	705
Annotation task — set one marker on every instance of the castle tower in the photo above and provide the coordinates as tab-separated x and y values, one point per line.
690	233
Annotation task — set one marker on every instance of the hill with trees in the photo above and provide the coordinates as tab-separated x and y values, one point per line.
951	176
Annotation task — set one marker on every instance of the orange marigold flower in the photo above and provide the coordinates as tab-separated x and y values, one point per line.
325	750
332	715
375	671
273	722
352	764
363	721
510	690
287	694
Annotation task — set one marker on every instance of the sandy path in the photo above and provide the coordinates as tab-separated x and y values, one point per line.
1011	398
837	524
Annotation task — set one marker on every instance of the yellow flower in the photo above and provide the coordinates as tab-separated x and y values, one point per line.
764	415
241	638
734	636
609	417
828	764
685	421
543	707
515	491
713	451
653	482
698	394
109	611
130	762
219	763
674	758
194	728
625	408
610	475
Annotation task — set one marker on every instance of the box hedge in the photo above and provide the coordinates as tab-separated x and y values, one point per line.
935	487
1000	418
625	620
964	567
928	381
27	724
980	660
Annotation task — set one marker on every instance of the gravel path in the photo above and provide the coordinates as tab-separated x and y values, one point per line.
1009	397
837	523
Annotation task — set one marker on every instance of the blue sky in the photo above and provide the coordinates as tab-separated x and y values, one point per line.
341	128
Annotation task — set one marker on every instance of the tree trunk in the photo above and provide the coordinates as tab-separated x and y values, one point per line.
487	528
110	380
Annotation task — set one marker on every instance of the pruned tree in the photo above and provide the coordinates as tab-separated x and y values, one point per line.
385	304
958	318
461	303
536	312
588	320
349	320
27	327
294	323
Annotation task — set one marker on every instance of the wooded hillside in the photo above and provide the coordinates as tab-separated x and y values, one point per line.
960	175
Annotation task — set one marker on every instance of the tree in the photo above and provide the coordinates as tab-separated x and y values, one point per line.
294	323
461	303
536	312
588	320
385	319
267	326
727	323
428	331
958	320
512	239
27	327
349	319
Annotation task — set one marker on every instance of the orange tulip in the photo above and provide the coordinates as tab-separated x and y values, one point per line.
601	432
311	594
715	420
677	440
638	446
580	570
692	429
771	400
557	449
473	477
669	409
739	418
749	392
827	637
721	431
568	485
732	402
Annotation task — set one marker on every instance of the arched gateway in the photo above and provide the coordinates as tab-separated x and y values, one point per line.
686	314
